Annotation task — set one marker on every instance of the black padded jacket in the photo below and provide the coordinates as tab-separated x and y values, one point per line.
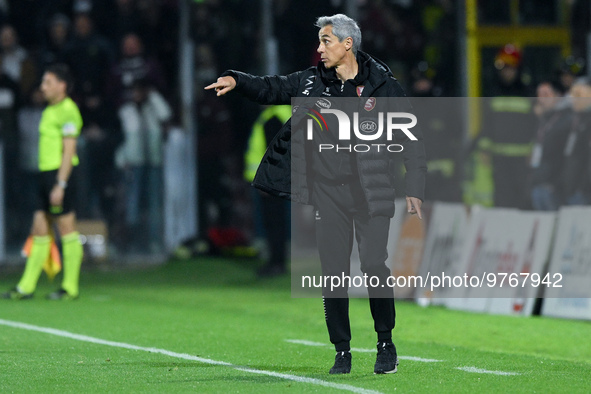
285	171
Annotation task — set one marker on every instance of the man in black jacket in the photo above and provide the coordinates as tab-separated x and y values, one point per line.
576	171
351	191
555	117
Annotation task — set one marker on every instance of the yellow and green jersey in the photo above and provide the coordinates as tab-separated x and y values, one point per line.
58	121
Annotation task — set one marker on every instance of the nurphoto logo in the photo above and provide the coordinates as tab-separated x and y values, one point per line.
366	130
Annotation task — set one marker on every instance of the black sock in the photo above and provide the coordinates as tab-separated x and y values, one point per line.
385	337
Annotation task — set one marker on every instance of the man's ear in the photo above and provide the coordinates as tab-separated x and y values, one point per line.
348	43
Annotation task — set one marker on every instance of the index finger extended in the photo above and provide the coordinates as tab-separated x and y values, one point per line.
416	203
418	208
214	85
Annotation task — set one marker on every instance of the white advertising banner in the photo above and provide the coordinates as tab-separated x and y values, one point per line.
443	246
530	279
503	262
570	266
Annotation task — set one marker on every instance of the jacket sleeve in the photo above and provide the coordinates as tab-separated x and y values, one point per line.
267	90
413	152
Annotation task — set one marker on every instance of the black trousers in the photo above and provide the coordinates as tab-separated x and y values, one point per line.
341	212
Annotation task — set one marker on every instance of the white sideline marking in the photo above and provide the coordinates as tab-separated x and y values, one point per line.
304	342
480	370
359	350
420	359
84	338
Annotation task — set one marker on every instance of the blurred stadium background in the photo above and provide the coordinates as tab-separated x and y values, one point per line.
439	48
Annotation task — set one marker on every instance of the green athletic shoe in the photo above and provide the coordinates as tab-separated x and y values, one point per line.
61	295
14	294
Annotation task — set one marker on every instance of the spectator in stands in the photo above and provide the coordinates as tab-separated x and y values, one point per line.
16	62
576	173
441	122
58	36
10	100
508	130
273	211
570	68
554	122
102	135
214	145
133	66
90	57
144	120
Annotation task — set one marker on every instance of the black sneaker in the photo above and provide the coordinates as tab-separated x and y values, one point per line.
387	359
14	294
342	363
60	295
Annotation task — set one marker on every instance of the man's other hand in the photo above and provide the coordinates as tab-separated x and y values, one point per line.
413	206
223	85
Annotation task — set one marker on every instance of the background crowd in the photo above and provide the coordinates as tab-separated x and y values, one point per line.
124	57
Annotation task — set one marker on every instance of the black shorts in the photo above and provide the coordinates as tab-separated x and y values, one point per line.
46	180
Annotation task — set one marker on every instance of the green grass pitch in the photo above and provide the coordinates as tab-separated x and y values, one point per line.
218	329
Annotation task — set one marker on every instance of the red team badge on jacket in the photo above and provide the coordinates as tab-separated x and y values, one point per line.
360	90
370	104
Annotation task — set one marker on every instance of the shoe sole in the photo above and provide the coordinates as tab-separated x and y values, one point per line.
385	372
338	373
17	297
61	297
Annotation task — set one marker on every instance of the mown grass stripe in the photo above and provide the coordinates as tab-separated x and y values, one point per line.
85	338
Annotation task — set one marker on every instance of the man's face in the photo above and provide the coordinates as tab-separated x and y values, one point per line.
567	79
131	46
58	33
83	26
508	74
52	87
7	38
331	50
547	96
581	97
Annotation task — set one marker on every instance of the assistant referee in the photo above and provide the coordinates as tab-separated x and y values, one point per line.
59	128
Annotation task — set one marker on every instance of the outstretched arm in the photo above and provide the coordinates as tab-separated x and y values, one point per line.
266	90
